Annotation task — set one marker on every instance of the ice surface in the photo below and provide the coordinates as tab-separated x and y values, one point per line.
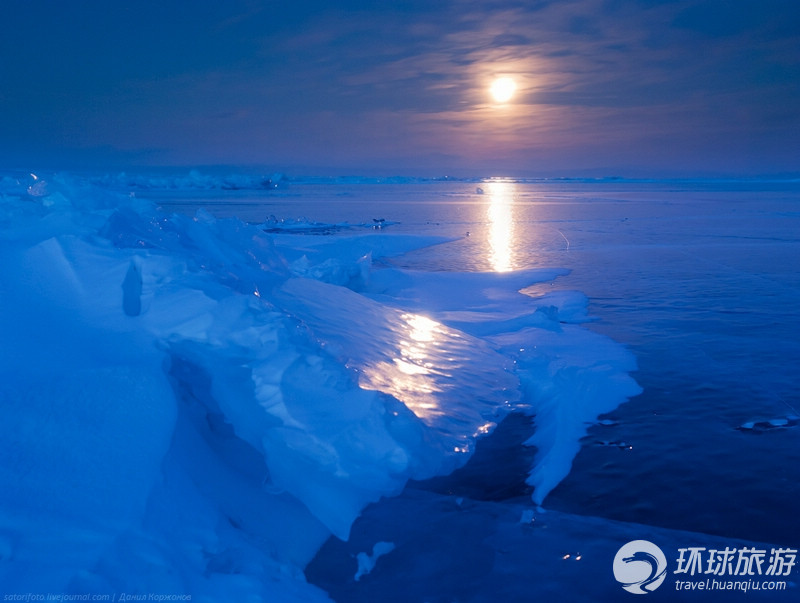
487	551
454	384
569	375
195	405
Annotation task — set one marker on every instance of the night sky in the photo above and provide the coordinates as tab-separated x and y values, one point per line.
604	87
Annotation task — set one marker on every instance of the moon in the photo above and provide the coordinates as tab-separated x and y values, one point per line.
502	89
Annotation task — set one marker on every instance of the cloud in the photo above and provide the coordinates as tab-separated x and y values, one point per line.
372	82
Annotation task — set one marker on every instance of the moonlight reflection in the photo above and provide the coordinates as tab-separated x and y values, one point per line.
501	224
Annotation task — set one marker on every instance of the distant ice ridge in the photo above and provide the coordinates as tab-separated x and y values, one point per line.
193	405
193	180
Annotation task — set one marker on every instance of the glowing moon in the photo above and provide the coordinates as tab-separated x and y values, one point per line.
502	89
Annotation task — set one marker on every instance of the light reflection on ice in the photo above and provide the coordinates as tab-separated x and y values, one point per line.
421	331
501	224
413	377
453	382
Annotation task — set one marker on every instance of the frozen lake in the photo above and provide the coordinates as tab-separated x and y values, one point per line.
296	402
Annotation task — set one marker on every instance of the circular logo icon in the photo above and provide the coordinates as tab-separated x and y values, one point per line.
640	567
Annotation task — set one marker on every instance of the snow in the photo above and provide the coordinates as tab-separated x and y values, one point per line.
194	405
366	563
